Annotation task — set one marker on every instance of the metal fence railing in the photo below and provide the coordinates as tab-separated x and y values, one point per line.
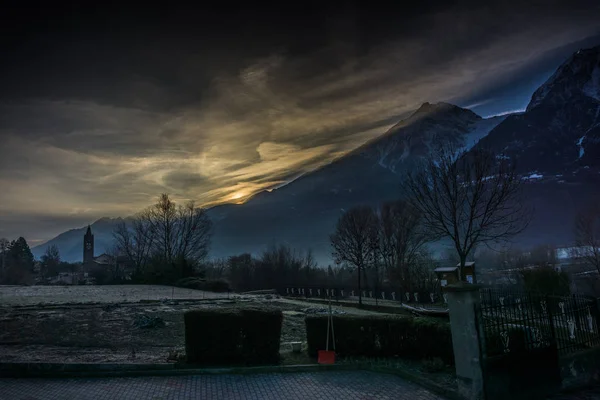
370	295
516	320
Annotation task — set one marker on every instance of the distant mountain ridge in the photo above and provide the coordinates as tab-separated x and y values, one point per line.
304	212
556	143
70	243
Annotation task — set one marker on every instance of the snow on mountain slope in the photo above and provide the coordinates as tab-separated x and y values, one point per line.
481	129
556	145
428	127
560	131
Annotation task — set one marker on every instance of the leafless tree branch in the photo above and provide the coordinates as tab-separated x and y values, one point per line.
471	198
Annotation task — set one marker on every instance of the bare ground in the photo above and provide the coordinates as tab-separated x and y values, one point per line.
100	324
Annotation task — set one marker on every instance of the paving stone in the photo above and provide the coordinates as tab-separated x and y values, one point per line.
347	385
584	394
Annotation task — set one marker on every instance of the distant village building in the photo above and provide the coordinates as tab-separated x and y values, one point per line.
117	266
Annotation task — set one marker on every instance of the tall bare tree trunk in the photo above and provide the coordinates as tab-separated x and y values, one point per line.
359	288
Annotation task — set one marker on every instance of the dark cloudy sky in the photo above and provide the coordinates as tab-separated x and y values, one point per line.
104	107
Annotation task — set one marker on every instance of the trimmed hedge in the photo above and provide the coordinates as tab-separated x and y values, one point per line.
246	336
382	336
261	335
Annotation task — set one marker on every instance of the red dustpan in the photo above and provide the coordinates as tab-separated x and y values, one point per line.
326	356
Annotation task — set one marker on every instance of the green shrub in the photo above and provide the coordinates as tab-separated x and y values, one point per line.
382	336
216	285
247	336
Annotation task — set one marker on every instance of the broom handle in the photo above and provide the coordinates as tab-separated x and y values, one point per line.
328	321
332	332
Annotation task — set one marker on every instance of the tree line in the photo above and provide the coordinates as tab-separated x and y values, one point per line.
18	266
471	200
165	242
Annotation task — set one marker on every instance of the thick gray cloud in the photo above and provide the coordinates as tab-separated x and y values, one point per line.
101	128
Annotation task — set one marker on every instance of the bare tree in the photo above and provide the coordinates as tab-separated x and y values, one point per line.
176	235
163	218
470	198
309	261
354	240
400	238
193	231
587	235
180	232
134	240
216	269
50	262
423	277
115	273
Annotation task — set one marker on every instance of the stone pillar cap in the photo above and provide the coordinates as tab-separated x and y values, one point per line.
461	287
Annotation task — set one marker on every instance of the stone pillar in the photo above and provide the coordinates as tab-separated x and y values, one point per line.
463	300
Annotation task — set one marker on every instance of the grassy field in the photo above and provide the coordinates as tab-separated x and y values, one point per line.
43	295
103	324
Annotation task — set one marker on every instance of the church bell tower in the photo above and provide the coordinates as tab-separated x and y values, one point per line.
88	247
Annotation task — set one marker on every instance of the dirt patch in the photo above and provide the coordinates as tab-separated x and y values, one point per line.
147	331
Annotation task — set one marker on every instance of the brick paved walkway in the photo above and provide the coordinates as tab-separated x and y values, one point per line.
586	394
347	385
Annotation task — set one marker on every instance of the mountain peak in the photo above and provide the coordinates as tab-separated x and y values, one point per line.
578	75
439	111
107	220
429	107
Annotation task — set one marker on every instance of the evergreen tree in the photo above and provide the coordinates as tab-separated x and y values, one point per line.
18	263
20	255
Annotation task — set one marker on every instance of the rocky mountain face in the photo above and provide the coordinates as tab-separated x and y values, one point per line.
559	134
304	212
556	143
